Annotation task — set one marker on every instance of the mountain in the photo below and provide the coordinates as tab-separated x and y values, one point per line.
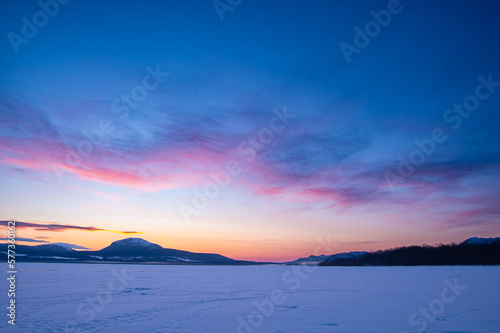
347	255
142	250
314	260
132	246
42	250
473	251
311	260
131	250
477	240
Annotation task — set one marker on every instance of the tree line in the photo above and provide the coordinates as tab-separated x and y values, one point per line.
443	254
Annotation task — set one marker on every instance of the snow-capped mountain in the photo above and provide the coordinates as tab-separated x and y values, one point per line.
70	246
140	249
478	240
132	244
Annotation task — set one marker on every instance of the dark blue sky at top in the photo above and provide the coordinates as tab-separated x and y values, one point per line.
429	54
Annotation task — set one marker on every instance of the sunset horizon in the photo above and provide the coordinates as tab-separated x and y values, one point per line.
288	252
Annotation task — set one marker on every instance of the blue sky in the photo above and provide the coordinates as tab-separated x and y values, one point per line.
73	151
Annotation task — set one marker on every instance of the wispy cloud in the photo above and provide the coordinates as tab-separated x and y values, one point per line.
50	226
30	240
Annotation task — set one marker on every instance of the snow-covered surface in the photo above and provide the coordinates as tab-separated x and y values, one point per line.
164	298
52	257
96	257
136	242
180	259
70	246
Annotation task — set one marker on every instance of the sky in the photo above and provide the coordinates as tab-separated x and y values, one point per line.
255	129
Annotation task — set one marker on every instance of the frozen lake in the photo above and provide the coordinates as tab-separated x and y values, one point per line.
141	298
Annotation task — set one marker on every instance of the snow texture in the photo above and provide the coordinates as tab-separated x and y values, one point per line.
172	298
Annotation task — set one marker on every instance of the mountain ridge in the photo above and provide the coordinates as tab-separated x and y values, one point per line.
130	250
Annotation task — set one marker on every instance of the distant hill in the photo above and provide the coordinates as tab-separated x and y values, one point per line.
131	250
477	240
473	251
314	260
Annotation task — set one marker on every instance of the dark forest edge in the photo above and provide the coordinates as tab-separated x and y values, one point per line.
474	251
